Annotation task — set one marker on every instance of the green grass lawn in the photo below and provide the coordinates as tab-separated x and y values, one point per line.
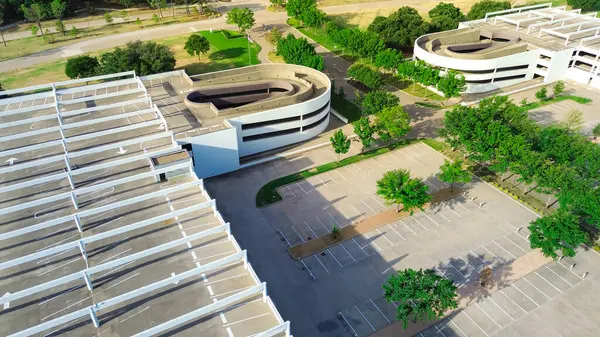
319	36
224	54
268	194
538	104
414	89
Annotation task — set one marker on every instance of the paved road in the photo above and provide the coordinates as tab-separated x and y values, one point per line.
261	15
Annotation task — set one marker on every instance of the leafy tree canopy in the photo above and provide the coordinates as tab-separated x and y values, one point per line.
82	66
299	51
364	130
401	28
372	79
388	59
340	142
376	100
452	84
585	5
392	123
243	18
445	16
479	9
144	57
312	16
454	172
295	8
420	295
196	44
559	231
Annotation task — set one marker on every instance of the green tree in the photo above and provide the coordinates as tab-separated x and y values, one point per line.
299	51
585	5
48	37
34	30
542	94
454	172
401	28
158	5
392	123
445	16
58	8
155	18
479	9
34	13
108	18
278	3
451	85
273	36
74	31
340	143
60	27
2	9
138	21
397	187
559	88
420	295
573	120
126	3
243	18
197	44
364	130
145	58
559	231
313	17
596	130
295	8
82	66
376	100
372	79
388	59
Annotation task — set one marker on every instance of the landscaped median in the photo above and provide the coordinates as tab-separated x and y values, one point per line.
323	242
555	99
268	194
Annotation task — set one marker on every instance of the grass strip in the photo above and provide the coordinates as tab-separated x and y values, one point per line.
268	194
429	105
539	104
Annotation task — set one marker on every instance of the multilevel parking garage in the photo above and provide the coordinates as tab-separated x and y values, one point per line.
104	227
532	43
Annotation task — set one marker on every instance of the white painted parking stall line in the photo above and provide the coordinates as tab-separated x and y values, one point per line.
466	209
562	278
443	216
246	319
499	307
382	205
451	210
395	231
361	248
534	302
510	299
385	237
369	207
439	331
511	254
321	263
538	289
376	307
300	236
363	316
402	222
459	329
428	217
511	241
294	194
302	188
569	269
415	218
431	185
348	323
477	325
496	256
490	317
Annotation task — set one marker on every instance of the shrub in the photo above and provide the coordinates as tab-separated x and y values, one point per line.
108	18
299	51
479	9
144	57
155	18
596	130
372	79
74	31
559	88
82	66
585	5
542	94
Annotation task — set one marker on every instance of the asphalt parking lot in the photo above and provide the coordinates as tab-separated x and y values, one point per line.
556	113
338	292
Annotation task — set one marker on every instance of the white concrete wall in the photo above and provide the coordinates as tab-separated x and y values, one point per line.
215	153
559	64
300	109
579	75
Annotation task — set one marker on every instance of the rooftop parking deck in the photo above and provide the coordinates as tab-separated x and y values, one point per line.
95	240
